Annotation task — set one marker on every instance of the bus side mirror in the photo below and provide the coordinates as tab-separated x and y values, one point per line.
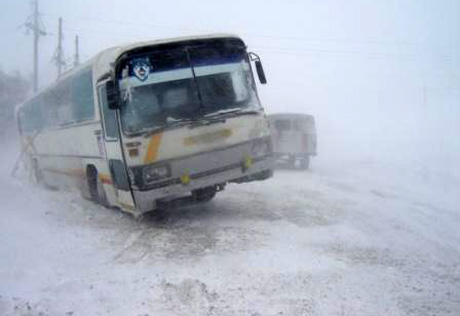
260	72
113	100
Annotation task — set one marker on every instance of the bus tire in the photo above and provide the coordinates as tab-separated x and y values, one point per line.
205	194
305	162
95	186
292	162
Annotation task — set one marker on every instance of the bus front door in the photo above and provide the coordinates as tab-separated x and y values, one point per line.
121	192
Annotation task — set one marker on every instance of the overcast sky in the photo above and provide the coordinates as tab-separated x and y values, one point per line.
374	68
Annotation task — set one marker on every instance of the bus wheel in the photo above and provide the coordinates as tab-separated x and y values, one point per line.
96	189
305	162
205	194
292	161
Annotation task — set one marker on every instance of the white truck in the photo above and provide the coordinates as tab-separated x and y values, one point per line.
294	139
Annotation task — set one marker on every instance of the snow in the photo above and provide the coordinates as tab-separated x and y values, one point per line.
363	237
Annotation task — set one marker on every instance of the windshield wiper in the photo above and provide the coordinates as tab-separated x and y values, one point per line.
209	119
232	112
151	131
223	112
206	121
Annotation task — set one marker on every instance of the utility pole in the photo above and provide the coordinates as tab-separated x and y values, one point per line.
35	25
77	53
59	54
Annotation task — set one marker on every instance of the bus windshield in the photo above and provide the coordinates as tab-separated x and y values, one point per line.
187	83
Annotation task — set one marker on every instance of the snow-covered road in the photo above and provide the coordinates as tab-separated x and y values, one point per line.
355	239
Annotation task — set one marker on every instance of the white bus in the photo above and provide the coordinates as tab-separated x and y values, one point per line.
152	125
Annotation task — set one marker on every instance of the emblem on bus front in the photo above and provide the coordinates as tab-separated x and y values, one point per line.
141	68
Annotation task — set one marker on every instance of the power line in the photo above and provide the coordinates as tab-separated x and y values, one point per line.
334	53
121	22
101	33
369	40
281	50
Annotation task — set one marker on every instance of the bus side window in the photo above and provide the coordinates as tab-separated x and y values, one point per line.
49	107
282	125
109	116
82	97
23	119
297	125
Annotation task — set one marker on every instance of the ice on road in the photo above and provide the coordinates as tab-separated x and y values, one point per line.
357	239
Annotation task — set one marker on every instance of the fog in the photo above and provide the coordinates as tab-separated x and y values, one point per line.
370	229
381	78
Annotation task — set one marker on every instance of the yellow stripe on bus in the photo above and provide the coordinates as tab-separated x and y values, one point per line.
127	206
104	178
152	150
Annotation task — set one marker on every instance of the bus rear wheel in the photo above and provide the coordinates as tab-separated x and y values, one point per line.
305	162
96	189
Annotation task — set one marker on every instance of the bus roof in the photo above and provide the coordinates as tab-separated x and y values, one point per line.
102	64
104	60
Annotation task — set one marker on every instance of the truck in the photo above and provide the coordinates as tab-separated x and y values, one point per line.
294	139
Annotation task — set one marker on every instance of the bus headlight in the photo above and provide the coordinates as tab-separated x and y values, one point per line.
154	173
261	147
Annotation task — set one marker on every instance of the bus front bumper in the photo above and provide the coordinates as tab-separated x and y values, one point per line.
259	169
